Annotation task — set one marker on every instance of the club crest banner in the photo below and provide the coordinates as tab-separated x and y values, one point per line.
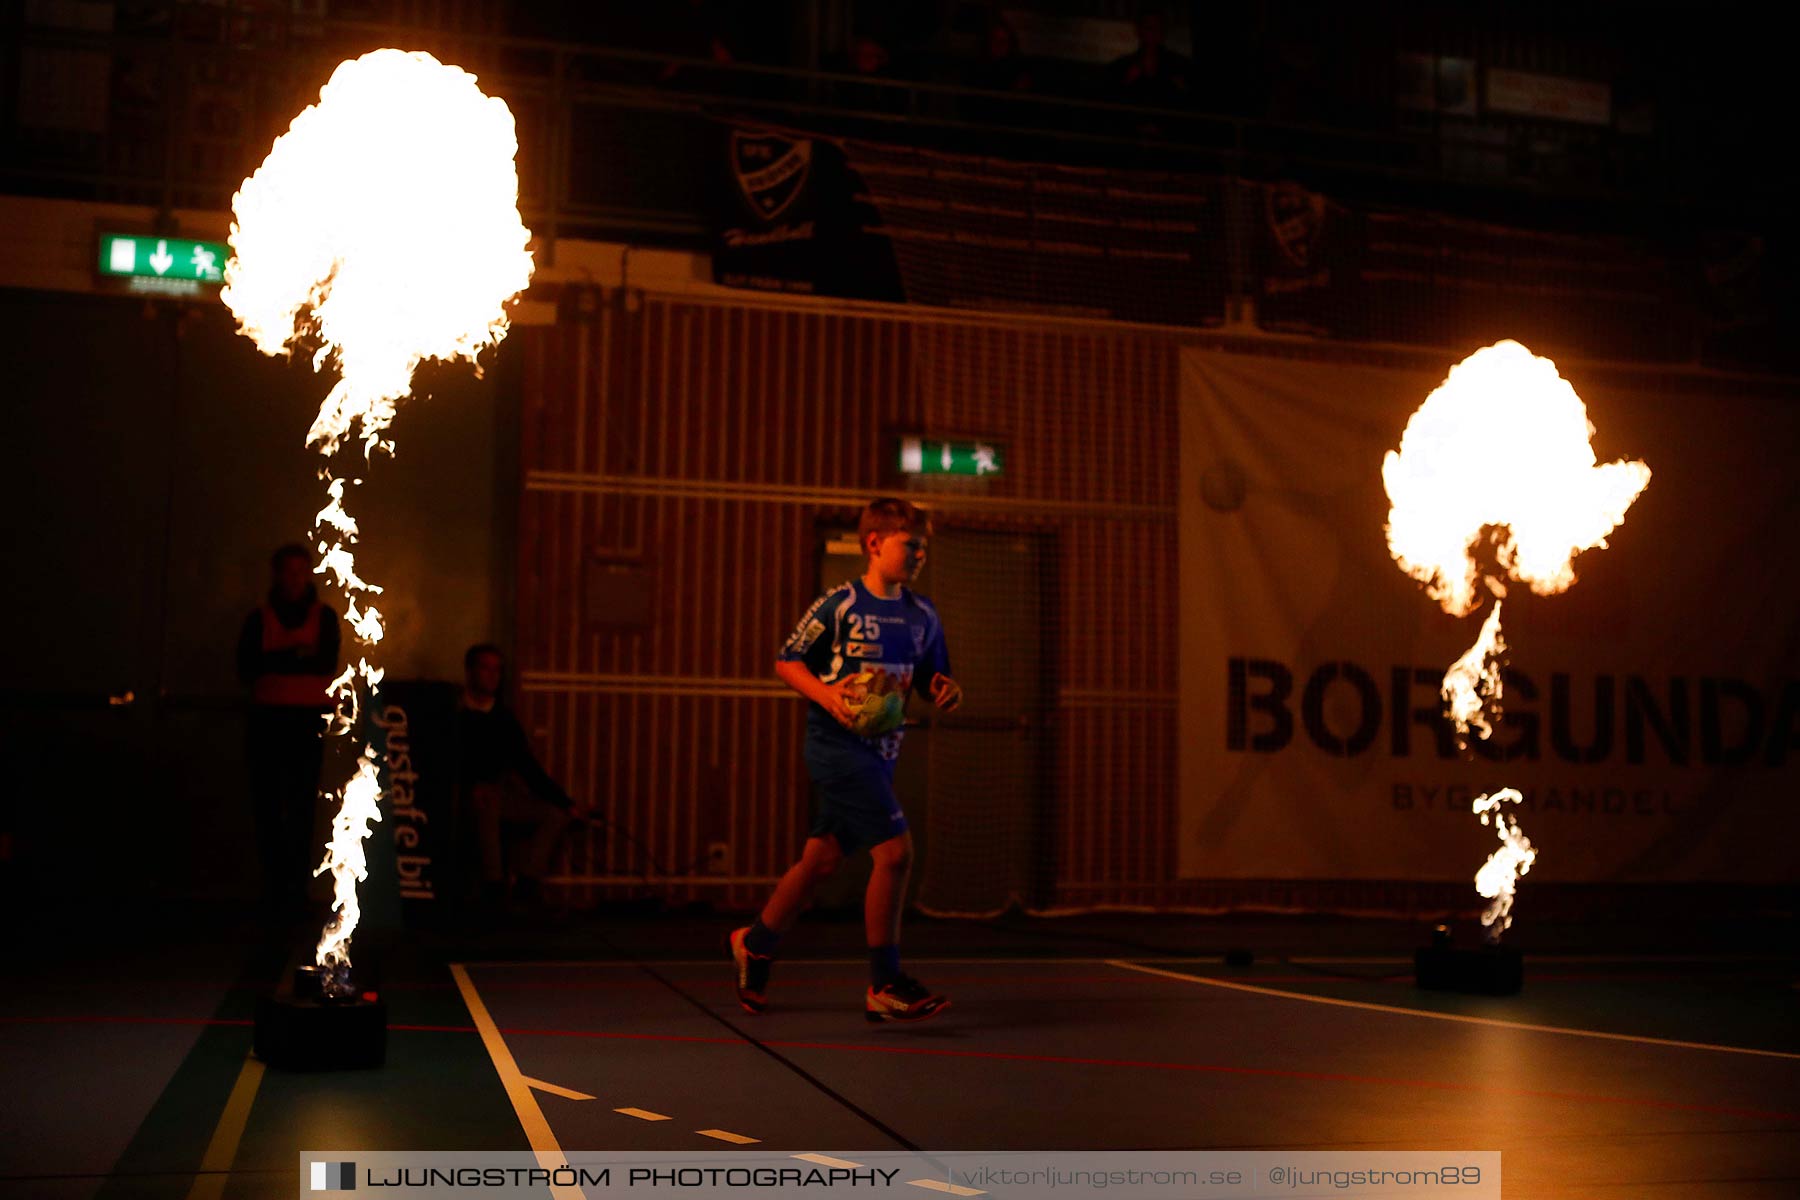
1651	713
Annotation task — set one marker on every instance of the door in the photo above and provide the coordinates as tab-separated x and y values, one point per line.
974	783
984	824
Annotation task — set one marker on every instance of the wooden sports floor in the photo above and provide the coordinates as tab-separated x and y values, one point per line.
1653	1071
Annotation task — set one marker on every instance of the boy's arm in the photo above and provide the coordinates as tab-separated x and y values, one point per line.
807	654
934	667
827	696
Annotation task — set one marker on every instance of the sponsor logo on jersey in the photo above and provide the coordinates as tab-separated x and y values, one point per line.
805	636
863	649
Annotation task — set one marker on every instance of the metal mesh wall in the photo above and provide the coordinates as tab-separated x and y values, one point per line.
680	459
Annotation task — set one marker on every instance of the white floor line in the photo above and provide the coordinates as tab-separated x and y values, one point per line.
554	1090
531	1118
1457	1017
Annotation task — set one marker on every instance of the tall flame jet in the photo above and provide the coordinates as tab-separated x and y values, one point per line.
382	230
1499	451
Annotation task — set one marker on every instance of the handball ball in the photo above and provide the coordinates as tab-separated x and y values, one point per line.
874	713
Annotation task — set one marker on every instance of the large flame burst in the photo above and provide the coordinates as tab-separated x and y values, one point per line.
1504	442
1499	452
382	229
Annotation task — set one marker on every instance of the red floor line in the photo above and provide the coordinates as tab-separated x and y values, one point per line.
106	1020
1004	1056
1152	1065
791	981
1020	978
434	1028
859	981
116	1020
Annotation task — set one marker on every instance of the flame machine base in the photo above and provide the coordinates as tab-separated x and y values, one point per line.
302	1028
1489	970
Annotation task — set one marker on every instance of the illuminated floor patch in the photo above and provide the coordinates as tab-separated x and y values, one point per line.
825	1160
1461	1018
641	1114
725	1135
939	1186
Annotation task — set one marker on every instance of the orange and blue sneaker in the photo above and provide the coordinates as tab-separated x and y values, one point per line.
905	999
752	972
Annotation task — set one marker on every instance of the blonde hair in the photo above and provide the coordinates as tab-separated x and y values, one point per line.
890	515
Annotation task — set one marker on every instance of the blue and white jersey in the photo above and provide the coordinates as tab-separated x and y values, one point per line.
850	629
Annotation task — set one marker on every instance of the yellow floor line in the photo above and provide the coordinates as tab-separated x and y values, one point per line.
531	1117
724	1135
215	1164
1457	1017
825	1160
565	1093
641	1114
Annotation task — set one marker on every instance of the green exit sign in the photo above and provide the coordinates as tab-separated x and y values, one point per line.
165	264
923	456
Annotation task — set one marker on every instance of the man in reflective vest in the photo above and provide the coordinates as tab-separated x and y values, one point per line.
287	655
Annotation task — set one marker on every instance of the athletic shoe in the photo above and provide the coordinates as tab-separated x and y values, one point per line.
905	999
752	975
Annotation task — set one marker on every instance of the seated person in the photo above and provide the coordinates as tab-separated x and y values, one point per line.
503	780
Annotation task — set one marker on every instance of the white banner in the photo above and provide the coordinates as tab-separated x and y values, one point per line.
1651	711
1528	95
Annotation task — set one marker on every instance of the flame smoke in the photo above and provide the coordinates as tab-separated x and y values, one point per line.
383	229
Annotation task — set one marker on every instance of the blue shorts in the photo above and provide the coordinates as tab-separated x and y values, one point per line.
853	795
